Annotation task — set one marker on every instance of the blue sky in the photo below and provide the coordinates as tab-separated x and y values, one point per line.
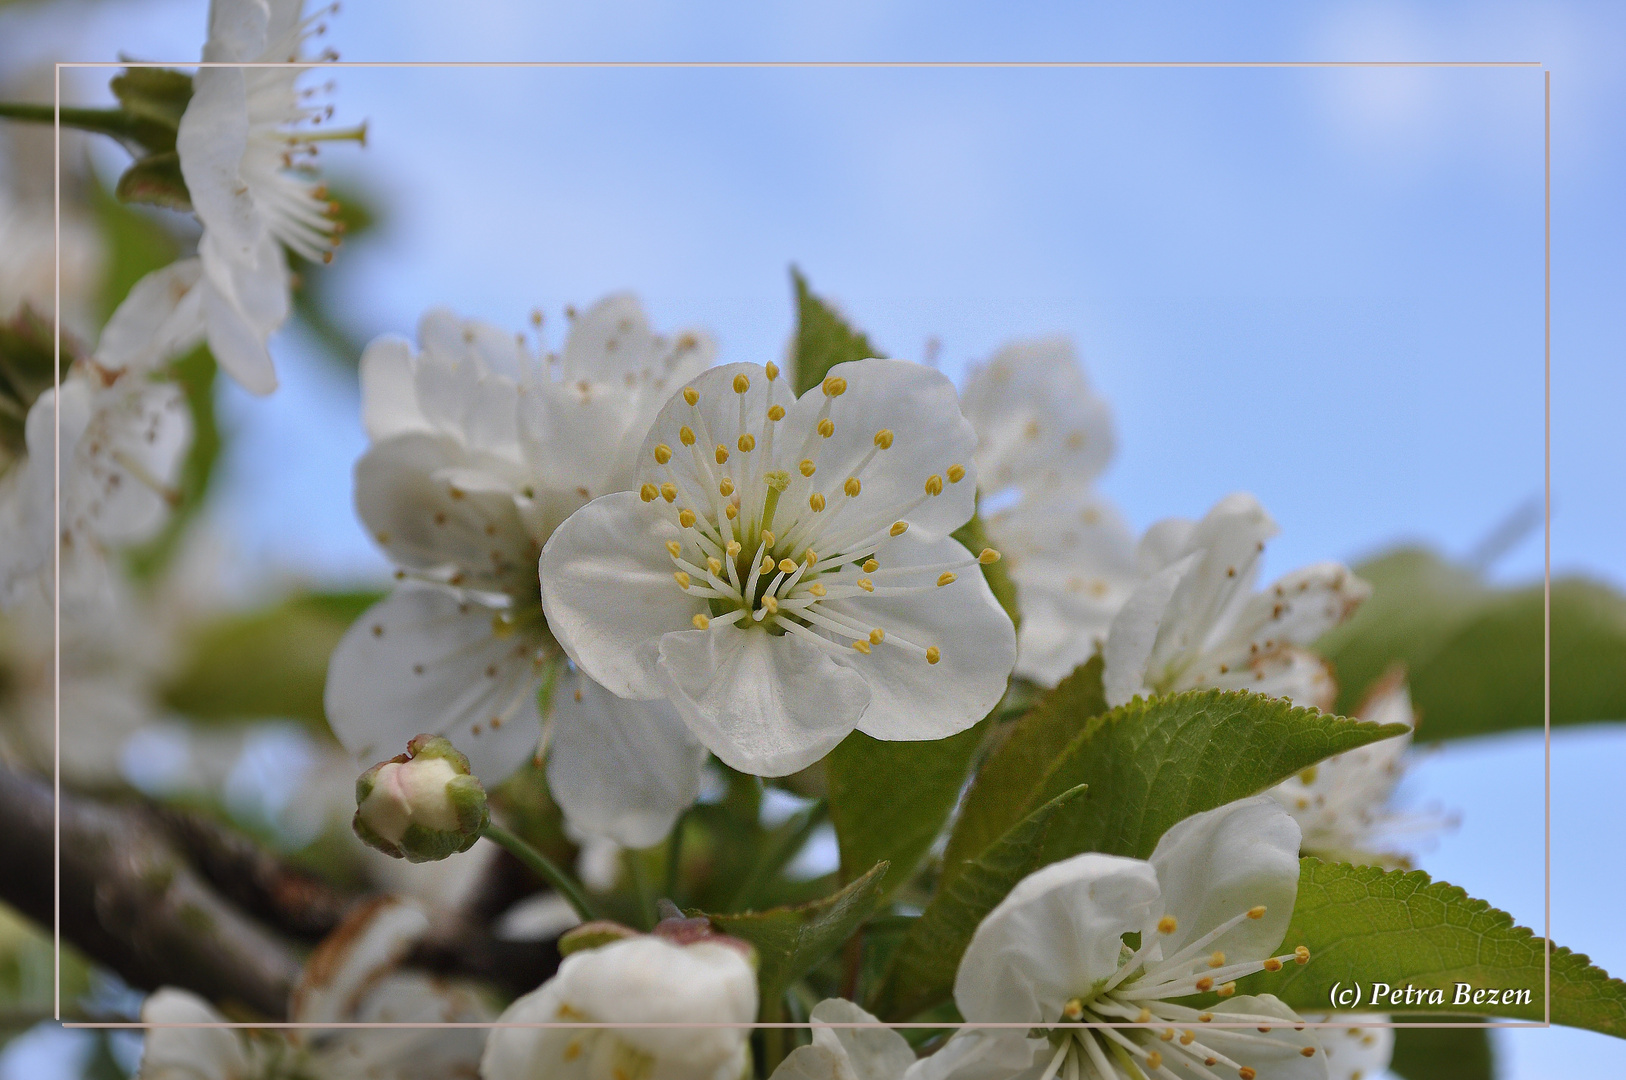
1323	286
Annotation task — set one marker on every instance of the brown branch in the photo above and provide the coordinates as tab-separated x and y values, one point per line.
132	903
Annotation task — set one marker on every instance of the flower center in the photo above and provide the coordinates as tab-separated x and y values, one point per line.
780	549
1138	993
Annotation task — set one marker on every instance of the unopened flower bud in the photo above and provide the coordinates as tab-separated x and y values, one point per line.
422	805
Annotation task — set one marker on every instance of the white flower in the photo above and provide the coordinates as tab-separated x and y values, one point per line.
245	144
479	450
1361	1051
1339	802
1197	623
645	979
352	977
28	270
1042	431
785	571
1210	906
847	1053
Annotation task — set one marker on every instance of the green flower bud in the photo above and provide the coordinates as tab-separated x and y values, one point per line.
422	805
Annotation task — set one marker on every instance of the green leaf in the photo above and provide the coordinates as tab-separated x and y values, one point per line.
1474	653
790	941
1007	783
975	538
1150	764
155	179
889	800
1442	1053
921	974
271	662
823	338
1364	925
157	94
136	244
27	370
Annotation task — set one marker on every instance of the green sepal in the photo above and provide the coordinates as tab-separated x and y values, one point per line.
594	935
155	179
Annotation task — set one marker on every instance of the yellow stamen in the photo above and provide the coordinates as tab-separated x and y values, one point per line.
835	386
876	636
899	528
686	435
1227	990
862	646
956	473
701	622
722	454
686	518
810	556
933	654
1273	964
817	589
866	584
1154	1060
1301	954
1256	912
731	511
1246	1073
807	466
787	566
1217	960
648	492
945	578
852	487
741	383
776	412
767	538
1307	1051
883	438
870	566
934	484
715	565
682	579
770	604
691	395
675	548
816	502
988	557
1187	1037
1168	924
1205	984
1073	1010
827	427
767	565
669	491
732	549
726	488
747	443
663	454
1144	1017
773	371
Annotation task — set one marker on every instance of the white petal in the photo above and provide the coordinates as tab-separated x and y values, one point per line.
1220	863
1359	1051
1296	610
1038	423
389	396
137	437
910	698
372	939
873	1053
1281	1055
608	590
437	508
1134	634
1054	937
245	299
239	29
161	317
212	139
608	340
1298	675
480	346
576	436
765	705
919	406
985	1054
618	768
425	659
189	1053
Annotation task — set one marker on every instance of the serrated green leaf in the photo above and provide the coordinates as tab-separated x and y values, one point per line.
1364	925
889	800
1441	1053
823	338
155	179
975	538
1008	780
921	974
1150	764
266	663
1474	653
790	941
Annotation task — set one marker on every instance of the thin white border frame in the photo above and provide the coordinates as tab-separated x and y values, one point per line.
1547	553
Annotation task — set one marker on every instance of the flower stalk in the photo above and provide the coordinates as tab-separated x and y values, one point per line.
544	867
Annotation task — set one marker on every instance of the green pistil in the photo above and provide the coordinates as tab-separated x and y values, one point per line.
777	482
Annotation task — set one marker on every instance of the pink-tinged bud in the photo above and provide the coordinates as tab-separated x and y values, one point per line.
422	805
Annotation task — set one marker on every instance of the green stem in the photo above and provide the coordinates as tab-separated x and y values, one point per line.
642	886
115	122
773	1038
543	867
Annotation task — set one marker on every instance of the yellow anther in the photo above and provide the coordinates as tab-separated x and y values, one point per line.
691	395
686	435
945	578
1273	964
1188	1037
815	502
899	528
1256	912
715	565
883	438
675	548
1154	1060
866	584
956	473
810	556
1301	954
648	492
767	538
686	518
767	565
772	370
1144	1016
870	566
700	622
817	589
1168	924
933	654
876	636
852	487
726	488
807	466
747	443
682	579
741	383
827	427
663	454
1205	1018
1217	960
988	557
669	491
1307	1051
1167	1035
722	454
770	604
1246	1073
1073	1010
1205	984
733	549
776	412
731	511
934	484
862	646
787	566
